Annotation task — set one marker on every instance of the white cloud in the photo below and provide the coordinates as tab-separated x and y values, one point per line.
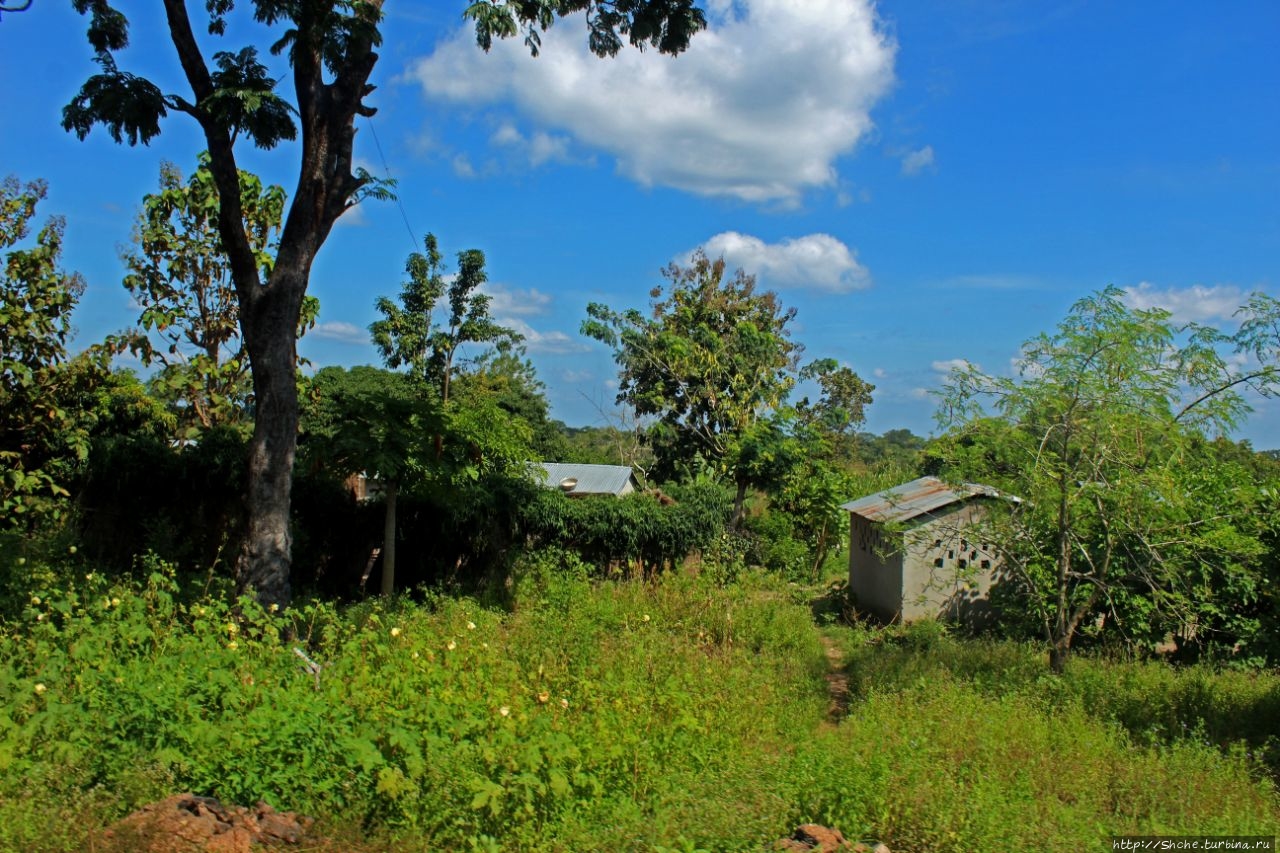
336	330
916	162
759	108
537	149
1198	303
554	342
951	364
919	393
817	261
880	373
507	302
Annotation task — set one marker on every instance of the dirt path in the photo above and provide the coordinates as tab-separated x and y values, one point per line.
837	683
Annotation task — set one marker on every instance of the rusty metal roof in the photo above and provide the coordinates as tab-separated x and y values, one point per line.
589	479
915	498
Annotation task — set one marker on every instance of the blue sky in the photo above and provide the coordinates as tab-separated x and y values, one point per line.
924	181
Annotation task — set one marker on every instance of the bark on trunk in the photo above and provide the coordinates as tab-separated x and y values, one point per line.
264	565
739	506
389	541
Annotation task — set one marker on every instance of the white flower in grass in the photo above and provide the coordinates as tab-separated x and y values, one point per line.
504	711
471	626
40	689
452	645
395	632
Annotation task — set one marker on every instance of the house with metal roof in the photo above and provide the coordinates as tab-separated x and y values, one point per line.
917	551
579	479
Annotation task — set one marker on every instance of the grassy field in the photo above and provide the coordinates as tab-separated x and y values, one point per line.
670	716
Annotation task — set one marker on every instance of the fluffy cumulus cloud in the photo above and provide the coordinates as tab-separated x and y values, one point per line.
817	261
507	302
759	108
1199	303
952	364
553	342
336	330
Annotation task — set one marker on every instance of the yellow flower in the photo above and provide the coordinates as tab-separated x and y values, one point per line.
452	645
40	688
115	602
564	703
395	632
543	697
232	628
645	617
274	607
504	710
35	600
232	645
471	626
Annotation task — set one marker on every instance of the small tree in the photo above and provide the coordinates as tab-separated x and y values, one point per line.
1097	438
39	435
368	420
409	335
710	363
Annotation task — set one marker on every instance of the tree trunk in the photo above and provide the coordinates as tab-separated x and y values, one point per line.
739	506
264	566
389	540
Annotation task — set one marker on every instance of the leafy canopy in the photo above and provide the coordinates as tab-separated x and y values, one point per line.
1099	436
40	435
710	362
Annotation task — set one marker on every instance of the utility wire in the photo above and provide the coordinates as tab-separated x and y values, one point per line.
387	169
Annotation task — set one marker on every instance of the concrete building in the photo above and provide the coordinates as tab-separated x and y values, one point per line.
916	551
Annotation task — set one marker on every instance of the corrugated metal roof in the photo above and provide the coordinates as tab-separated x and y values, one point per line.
591	479
915	498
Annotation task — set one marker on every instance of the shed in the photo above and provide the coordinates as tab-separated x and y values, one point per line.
917	551
579	479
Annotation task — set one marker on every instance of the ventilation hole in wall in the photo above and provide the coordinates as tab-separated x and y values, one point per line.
937	543
962	563
938	563
986	564
951	555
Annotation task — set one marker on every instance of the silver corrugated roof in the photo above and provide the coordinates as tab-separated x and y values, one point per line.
915	498
592	479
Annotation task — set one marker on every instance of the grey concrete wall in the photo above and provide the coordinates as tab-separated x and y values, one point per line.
875	570
947	569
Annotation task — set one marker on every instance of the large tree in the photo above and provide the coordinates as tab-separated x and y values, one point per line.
178	274
711	362
331	49
1099	437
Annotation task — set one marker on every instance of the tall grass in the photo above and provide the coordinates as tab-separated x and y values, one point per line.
676	715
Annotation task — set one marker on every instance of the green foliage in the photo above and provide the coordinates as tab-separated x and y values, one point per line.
409	335
367	419
674	715
1122	516
42	439
634	530
667	25
180	274
710	364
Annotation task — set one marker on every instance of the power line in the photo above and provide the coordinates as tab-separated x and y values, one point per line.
387	169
